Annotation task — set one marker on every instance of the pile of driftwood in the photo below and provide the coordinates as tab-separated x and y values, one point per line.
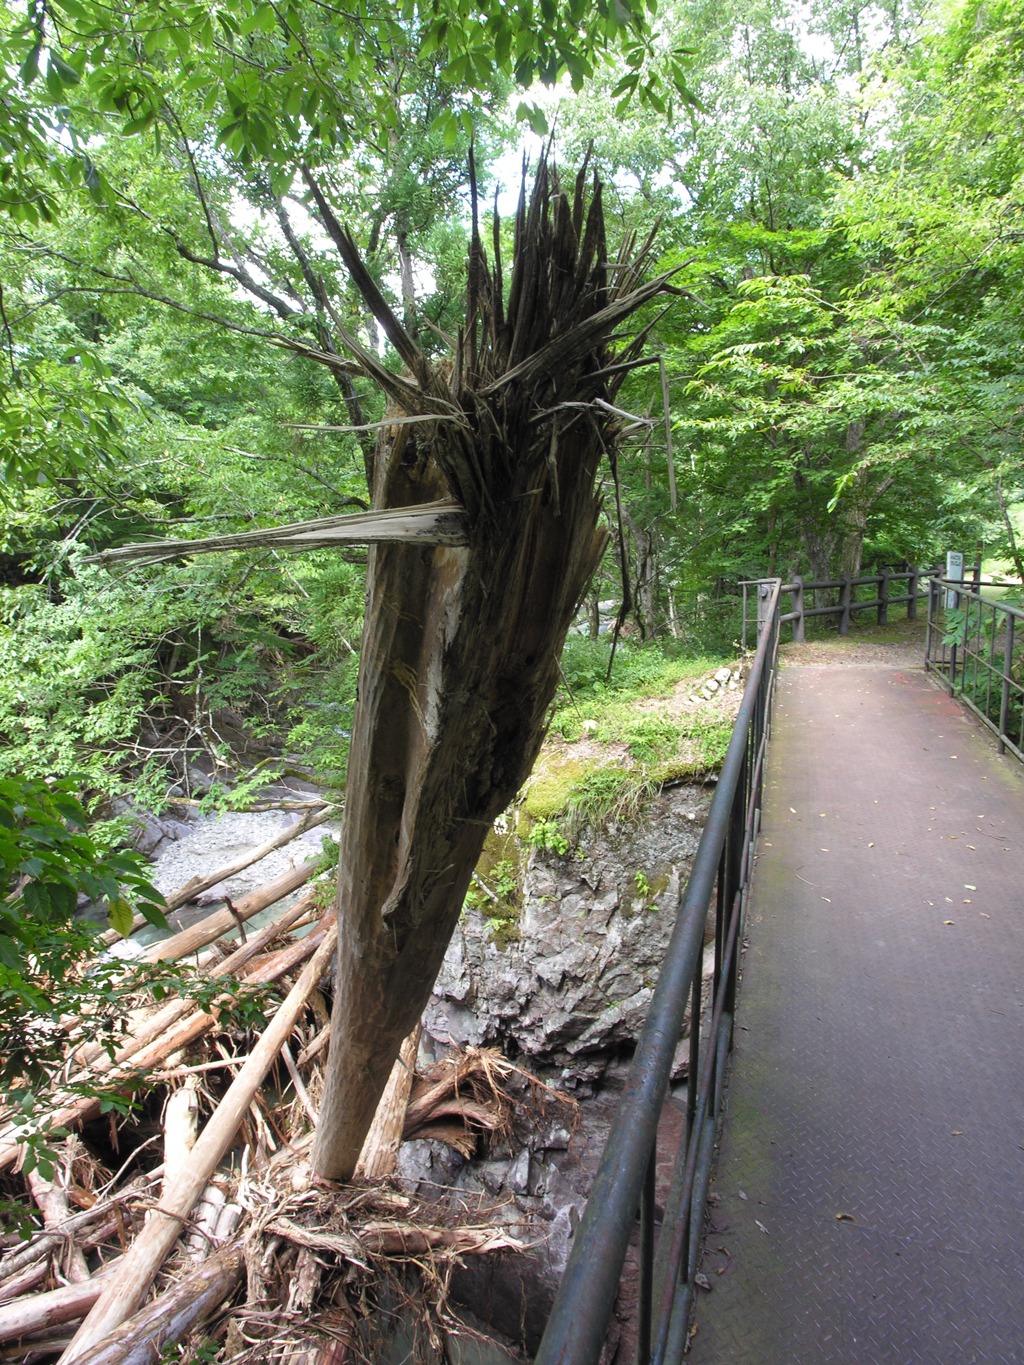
213	1240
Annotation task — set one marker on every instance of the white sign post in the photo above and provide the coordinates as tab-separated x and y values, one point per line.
954	574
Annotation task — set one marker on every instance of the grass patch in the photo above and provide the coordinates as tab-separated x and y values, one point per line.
595	782
609	793
640	673
635	744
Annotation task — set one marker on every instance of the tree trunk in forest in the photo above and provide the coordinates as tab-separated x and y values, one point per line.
646	578
460	647
594	612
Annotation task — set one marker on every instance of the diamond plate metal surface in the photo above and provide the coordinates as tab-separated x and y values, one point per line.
878	1071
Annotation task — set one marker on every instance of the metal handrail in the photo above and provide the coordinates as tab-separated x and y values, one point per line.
625	1179
978	665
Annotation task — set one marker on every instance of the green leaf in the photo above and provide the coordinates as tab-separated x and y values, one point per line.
68	75
30	66
119	912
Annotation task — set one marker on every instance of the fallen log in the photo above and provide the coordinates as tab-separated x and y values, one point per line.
25	1281
395	1239
197	936
146	1254
170	1040
36	1312
196	885
181	1127
144	1338
316	1046
159	1022
43	1243
298	1083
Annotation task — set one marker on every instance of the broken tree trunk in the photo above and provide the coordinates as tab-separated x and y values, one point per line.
459	657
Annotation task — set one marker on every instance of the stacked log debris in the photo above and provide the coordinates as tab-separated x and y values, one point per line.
212	1228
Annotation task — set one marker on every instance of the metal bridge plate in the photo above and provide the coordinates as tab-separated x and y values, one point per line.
871	1179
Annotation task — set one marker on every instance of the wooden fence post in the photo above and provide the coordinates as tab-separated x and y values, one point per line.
912	590
883	598
798	606
845	595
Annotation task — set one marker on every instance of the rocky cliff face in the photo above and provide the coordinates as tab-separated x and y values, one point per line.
575	987
568	997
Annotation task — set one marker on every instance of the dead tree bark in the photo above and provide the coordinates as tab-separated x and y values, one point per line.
459	657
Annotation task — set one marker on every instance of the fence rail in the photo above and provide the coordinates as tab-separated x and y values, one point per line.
625	1180
848	604
977	646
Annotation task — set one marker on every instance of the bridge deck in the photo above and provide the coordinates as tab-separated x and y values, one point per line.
878	1071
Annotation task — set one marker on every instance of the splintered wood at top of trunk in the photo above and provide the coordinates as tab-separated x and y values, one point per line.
460	646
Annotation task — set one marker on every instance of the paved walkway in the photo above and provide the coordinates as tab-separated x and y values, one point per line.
870	1187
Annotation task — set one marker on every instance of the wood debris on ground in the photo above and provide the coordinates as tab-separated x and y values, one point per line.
191	1222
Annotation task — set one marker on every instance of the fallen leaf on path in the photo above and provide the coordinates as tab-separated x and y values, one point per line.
825	898
845	1218
969	887
701	1279
949	921
760	1225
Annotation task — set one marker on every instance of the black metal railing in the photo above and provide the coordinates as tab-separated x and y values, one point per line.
848	603
624	1186
973	642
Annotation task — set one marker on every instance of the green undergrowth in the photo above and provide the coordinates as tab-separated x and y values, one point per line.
612	745
621	739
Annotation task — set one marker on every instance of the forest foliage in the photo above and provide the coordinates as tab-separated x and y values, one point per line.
839	185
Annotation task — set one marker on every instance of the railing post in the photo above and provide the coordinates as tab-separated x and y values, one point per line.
952	649
928	626
912	590
883	598
643	1333
845	594
1004	704
798	606
764	597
